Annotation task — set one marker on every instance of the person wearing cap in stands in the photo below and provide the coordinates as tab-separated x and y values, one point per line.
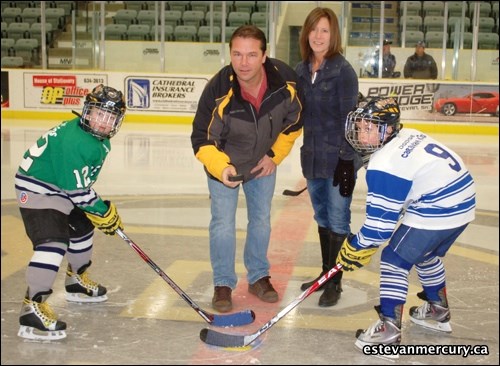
388	62
420	65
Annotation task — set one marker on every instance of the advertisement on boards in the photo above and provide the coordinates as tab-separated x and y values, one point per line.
59	91
164	94
430	101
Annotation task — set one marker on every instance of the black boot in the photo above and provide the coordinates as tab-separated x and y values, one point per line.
333	287
324	240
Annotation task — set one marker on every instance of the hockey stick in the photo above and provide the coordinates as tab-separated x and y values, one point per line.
215	338
228	320
288	192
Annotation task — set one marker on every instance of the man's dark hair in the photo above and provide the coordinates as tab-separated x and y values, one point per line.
250	31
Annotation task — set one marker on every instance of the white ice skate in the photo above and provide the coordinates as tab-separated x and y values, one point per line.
386	331
80	288
38	321
432	314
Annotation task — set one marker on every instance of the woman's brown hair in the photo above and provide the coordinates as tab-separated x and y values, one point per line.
311	21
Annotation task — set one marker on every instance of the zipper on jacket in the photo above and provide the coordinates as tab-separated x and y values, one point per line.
270	116
271	122
254	117
271	94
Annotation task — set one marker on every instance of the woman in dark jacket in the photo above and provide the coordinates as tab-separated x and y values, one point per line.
330	87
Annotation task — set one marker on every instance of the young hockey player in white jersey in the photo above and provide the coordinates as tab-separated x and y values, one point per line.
60	209
424	187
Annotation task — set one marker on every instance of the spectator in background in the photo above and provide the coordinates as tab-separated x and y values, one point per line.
420	65
388	62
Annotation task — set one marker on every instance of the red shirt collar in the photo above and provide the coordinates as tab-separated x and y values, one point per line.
256	102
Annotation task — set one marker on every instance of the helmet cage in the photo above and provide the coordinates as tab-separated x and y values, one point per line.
103	123
358	121
103	112
377	114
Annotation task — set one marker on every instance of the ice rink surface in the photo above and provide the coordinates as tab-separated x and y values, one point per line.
161	193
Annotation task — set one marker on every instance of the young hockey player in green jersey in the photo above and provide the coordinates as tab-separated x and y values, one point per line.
60	209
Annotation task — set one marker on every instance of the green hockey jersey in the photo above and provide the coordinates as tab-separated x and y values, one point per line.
58	171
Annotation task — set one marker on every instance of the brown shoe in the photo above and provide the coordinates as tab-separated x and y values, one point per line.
264	290
222	299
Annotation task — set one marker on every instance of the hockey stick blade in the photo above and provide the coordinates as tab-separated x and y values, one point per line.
227	320
219	339
288	192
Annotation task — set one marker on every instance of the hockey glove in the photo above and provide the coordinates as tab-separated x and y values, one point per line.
107	223
352	258
345	177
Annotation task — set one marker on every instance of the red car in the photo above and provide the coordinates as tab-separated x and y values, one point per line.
480	102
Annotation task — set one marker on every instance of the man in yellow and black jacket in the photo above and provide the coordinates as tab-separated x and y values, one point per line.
248	118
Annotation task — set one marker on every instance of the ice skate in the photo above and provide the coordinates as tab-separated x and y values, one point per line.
80	288
432	315
386	331
38	321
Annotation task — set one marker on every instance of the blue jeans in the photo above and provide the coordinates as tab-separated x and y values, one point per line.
331	209
224	201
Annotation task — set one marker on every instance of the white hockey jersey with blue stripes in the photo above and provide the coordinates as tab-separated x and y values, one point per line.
422	179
